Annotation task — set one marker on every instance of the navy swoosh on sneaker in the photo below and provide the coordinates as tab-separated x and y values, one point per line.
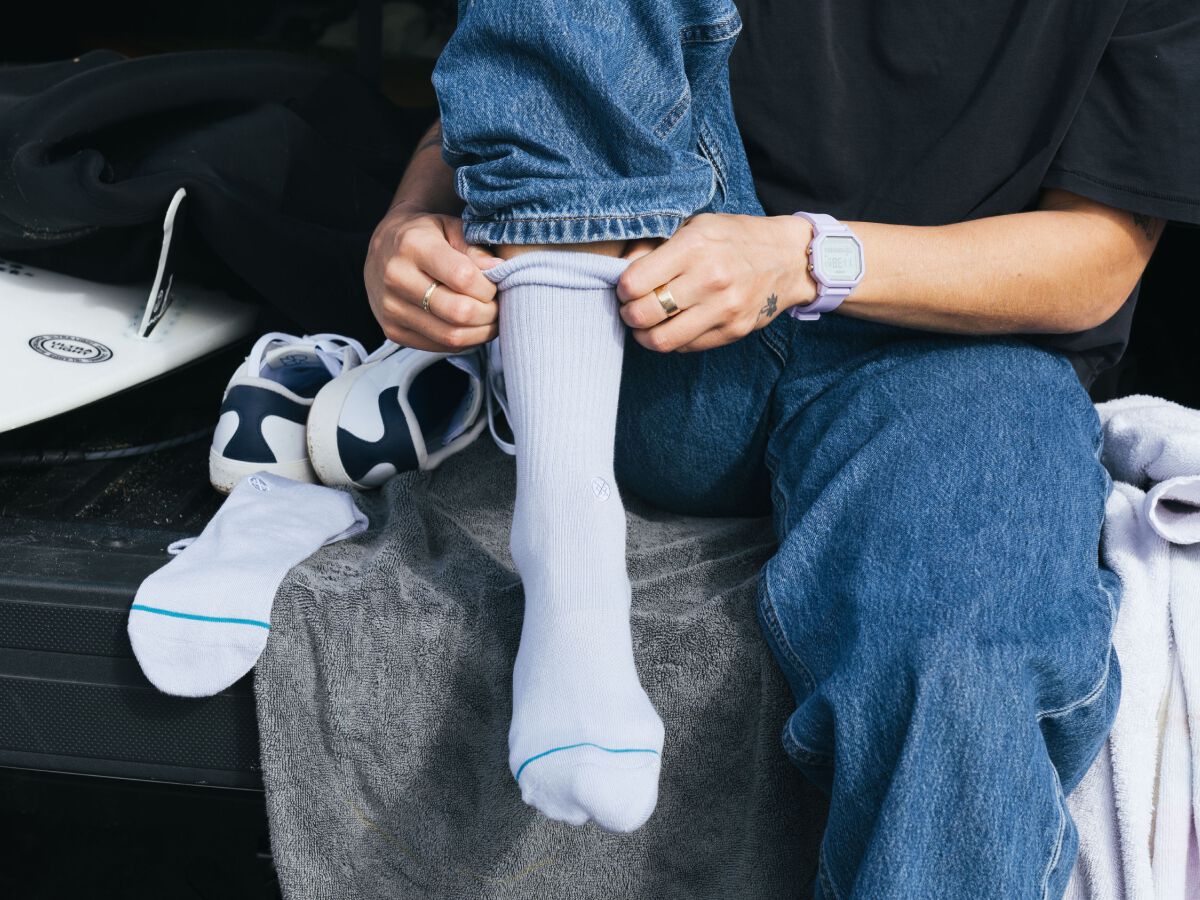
402	409
262	425
395	446
252	405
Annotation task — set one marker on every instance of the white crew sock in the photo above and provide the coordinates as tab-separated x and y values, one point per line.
585	742
199	623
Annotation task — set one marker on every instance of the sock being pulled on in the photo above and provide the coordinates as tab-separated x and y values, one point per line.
200	622
585	741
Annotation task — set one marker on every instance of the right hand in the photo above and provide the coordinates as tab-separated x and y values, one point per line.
409	250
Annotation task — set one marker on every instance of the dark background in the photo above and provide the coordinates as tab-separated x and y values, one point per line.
68	835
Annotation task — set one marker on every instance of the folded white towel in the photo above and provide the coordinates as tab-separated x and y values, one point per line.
1148	440
1138	806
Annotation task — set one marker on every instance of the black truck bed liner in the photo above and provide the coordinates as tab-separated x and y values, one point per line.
75	542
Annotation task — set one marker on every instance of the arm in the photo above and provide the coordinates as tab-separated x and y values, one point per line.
1064	267
420	240
428	183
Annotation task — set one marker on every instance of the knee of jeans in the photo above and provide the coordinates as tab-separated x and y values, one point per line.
960	686
999	415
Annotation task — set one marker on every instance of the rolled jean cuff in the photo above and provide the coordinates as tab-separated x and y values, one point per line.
519	208
569	229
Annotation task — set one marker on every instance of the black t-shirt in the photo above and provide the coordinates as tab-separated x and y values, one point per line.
942	111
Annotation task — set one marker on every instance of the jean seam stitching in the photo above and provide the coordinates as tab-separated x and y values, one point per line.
809	755
827	878
713	32
768	608
675	114
710	152
1098	687
460	182
768	337
1058	841
673	214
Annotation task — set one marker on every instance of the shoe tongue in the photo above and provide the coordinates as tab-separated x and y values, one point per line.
300	369
288	356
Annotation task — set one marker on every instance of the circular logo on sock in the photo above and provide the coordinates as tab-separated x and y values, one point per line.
600	488
259	484
69	348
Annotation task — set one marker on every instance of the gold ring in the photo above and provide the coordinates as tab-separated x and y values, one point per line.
428	294
666	301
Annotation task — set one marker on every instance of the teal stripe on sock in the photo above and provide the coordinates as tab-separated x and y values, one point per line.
178	615
583	744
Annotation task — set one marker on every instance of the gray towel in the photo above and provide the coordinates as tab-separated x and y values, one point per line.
384	697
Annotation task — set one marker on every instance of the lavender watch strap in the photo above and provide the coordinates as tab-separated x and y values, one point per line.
828	298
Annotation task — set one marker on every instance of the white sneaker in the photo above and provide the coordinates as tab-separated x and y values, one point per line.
265	409
402	409
497	400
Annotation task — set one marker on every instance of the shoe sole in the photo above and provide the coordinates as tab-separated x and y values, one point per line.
224	473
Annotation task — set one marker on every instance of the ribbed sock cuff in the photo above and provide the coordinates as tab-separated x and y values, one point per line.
572	269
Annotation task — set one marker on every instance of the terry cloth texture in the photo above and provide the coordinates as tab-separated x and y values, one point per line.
1138	806
385	691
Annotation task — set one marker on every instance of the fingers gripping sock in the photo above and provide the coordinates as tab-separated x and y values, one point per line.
198	624
585	742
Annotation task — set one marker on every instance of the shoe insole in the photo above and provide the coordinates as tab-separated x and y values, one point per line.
436	396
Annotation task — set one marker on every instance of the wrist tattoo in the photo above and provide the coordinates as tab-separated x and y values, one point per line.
1148	225
770	307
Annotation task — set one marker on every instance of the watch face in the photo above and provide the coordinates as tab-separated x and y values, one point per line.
841	259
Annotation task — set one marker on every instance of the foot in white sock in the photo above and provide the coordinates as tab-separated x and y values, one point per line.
585	741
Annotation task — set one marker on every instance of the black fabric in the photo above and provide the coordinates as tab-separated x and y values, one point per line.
289	164
942	111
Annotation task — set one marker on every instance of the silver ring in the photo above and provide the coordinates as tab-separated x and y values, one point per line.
666	300
428	294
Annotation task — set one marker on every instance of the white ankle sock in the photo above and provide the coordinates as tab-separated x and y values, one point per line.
200	622
585	742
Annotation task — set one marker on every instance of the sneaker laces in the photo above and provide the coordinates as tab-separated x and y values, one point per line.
497	399
387	348
335	351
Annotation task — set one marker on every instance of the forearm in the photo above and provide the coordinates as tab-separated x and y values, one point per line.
1062	268
428	183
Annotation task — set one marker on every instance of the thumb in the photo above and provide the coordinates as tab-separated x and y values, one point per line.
453	229
481	257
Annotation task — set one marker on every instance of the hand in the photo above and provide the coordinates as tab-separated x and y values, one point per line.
729	275
409	250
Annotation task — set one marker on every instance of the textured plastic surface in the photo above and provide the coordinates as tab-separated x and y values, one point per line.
72	698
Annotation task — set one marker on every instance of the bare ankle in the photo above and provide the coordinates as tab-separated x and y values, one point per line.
603	248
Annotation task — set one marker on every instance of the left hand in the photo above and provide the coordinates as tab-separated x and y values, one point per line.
729	275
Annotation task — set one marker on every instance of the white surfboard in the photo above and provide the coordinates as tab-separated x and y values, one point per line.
66	342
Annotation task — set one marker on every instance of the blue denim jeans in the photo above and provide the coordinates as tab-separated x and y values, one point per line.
937	602
571	121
